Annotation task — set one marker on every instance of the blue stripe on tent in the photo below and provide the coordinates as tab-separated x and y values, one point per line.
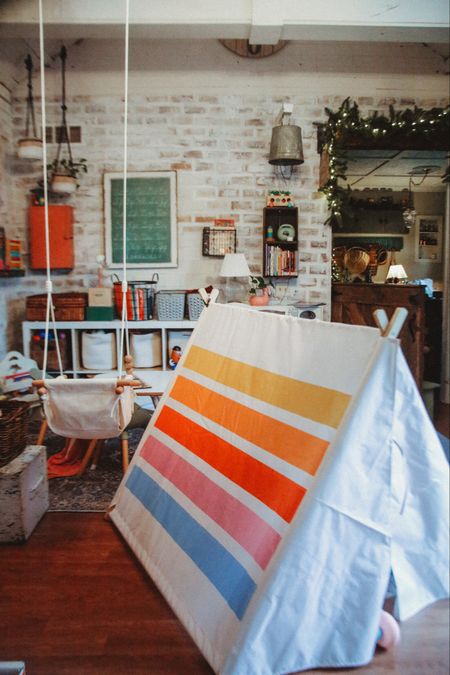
222	569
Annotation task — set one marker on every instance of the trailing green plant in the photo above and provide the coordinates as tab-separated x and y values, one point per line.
67	167
258	284
346	127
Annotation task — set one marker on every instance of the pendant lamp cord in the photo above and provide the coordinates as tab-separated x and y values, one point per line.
30	103
124	339
50	312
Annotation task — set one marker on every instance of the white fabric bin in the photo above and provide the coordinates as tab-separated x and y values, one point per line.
146	349
98	350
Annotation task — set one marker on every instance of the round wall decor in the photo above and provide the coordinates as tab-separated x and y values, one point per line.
245	49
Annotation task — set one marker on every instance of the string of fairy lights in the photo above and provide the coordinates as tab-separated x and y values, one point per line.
411	124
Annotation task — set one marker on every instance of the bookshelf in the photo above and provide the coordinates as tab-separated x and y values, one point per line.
280	246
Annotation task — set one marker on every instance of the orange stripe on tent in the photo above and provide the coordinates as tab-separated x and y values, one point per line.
279	493
320	404
282	440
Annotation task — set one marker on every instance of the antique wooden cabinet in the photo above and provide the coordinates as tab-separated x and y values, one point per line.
60	218
355	303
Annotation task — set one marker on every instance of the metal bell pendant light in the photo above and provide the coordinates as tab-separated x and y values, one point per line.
286	148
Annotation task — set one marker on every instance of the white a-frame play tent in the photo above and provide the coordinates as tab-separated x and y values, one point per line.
289	469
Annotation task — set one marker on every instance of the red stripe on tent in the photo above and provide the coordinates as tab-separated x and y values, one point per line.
278	492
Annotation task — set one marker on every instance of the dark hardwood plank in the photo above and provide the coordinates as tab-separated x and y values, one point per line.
74	601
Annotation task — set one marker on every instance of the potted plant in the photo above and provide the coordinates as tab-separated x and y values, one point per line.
259	292
64	174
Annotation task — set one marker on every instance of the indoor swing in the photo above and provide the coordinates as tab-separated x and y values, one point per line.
91	409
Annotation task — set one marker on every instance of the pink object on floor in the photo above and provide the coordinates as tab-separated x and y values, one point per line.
390	631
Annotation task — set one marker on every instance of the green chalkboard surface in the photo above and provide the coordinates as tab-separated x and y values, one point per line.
151	219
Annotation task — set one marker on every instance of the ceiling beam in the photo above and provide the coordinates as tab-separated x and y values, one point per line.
259	21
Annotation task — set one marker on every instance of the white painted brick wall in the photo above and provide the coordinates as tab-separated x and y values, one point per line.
217	144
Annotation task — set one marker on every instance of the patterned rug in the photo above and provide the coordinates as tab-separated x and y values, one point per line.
95	489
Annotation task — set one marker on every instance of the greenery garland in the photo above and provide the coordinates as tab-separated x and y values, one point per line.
409	126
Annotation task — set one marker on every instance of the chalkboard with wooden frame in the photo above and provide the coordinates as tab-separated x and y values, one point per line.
151	219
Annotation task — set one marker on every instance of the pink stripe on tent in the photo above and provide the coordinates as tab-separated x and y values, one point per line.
245	526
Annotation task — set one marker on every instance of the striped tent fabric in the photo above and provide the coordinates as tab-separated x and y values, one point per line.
273	492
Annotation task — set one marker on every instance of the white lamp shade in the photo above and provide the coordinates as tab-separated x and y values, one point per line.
396	272
235	265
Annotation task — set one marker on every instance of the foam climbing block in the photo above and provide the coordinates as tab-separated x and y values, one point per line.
23	494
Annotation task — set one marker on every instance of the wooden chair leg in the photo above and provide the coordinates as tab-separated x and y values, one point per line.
87	456
125	449
96	457
42	432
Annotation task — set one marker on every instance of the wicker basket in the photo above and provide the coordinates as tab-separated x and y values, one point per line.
68	306
37	353
195	306
13	429
170	305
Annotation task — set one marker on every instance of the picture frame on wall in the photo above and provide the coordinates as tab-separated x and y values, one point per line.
151	239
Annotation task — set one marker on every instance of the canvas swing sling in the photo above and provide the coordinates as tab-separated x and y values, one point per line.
92	408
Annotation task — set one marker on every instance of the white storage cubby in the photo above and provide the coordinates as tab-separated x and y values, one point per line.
75	330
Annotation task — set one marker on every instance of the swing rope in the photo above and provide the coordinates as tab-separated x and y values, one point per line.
50	313
124	339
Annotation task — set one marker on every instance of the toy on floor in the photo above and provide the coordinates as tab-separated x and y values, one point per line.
389	631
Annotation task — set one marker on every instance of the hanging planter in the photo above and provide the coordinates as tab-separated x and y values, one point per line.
63	184
30	147
64	173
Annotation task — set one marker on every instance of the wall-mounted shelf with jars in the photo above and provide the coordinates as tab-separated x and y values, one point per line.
280	248
429	238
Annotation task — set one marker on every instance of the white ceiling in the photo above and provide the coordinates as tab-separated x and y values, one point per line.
381	168
259	21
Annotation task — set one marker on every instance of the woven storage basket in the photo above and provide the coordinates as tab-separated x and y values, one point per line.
170	305
13	429
195	306
37	354
68	306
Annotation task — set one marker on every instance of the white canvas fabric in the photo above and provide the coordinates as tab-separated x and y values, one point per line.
87	408
289	467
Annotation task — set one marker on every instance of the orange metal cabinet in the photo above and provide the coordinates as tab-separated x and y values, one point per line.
60	218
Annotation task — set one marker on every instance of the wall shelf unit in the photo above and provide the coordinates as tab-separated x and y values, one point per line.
280	247
73	331
429	238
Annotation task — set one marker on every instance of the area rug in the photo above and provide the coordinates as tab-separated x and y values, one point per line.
95	489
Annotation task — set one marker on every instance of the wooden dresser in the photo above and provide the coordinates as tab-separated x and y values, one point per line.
355	303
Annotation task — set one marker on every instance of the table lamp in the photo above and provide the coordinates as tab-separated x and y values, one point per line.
396	274
234	266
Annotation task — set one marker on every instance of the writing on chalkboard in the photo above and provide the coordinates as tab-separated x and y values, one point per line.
151	234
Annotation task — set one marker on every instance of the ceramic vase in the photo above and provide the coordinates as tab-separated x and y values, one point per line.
260	300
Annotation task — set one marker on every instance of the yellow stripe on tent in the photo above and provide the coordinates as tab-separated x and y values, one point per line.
282	440
320	404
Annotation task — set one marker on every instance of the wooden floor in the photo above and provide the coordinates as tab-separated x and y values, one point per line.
73	600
